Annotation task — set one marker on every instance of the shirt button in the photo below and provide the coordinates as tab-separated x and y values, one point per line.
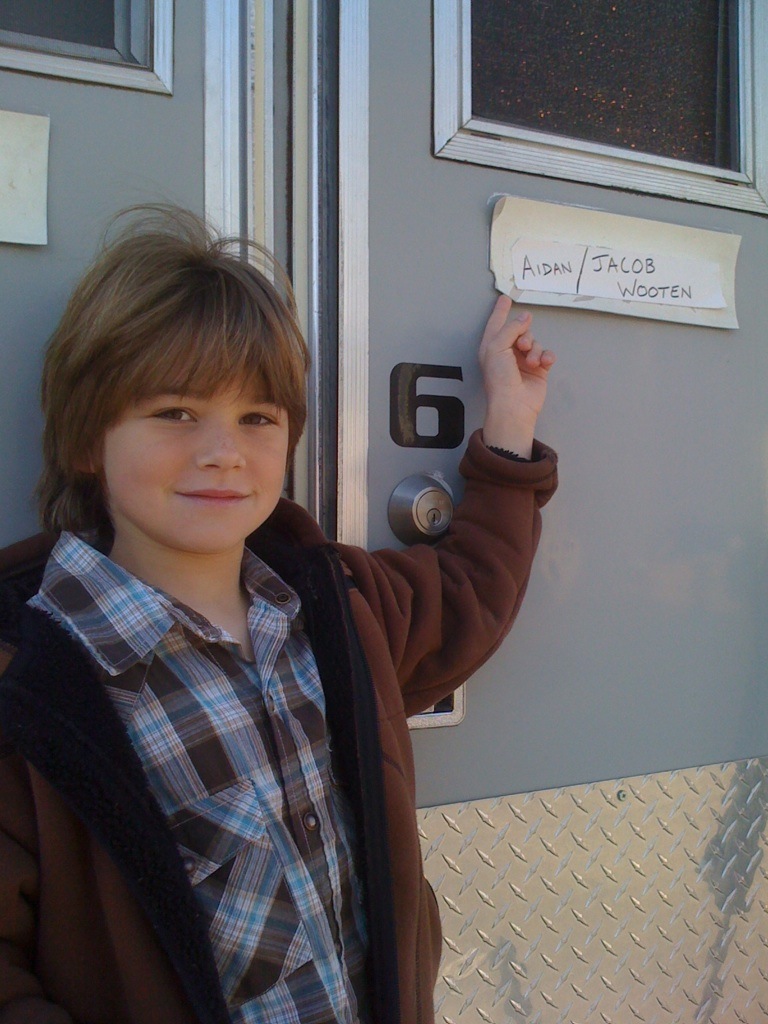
310	821
189	865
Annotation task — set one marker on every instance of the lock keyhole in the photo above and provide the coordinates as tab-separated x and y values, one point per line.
420	508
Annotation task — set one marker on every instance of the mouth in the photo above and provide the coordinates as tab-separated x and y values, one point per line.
223	497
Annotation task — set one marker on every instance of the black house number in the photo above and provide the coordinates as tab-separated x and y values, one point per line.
404	404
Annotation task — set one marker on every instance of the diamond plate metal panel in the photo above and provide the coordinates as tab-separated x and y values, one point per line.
636	900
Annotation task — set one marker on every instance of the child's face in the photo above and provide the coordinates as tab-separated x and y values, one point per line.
186	476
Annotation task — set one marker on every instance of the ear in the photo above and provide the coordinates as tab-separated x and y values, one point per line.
88	465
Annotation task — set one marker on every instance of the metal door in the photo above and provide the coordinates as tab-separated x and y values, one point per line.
639	647
639	655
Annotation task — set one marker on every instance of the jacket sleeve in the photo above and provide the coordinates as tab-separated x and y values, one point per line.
21	995
445	608
33	1010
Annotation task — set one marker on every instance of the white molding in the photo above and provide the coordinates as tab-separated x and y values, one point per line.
459	136
307	233
157	79
223	117
223	135
353	272
239	118
261	122
163	45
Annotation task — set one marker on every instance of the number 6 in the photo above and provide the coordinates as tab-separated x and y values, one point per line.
404	404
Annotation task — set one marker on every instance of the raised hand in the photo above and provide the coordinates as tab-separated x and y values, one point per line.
515	369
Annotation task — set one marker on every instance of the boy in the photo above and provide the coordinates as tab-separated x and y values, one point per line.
206	781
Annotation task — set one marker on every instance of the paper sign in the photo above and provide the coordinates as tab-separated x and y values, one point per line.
549	254
23	178
616	274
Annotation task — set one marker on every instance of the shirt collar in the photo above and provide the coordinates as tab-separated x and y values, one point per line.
263	583
119	618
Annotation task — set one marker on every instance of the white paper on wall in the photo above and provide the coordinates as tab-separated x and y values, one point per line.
24	178
556	255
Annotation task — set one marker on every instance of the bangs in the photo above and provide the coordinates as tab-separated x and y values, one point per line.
218	338
196	364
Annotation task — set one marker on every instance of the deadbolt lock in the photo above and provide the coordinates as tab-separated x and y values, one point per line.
420	508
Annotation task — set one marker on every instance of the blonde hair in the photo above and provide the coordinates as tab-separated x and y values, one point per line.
165	307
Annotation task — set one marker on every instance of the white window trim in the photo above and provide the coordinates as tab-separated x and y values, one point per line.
459	136
223	118
158	78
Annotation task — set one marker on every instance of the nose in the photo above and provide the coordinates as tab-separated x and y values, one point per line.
219	449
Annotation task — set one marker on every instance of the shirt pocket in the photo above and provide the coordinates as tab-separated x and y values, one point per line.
257	936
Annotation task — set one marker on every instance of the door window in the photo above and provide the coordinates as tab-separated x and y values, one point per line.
653	95
115	42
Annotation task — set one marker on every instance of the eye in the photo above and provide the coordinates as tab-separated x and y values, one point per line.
261	418
178	415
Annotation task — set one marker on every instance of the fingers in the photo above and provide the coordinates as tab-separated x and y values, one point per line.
535	356
548	358
504	333
499	314
501	331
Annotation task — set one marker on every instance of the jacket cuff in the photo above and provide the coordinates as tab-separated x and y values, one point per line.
540	474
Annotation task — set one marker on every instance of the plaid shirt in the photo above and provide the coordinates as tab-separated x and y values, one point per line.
237	755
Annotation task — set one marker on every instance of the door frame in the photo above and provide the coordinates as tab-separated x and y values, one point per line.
239	199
